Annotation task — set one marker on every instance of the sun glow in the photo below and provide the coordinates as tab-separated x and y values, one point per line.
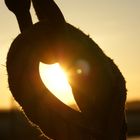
55	79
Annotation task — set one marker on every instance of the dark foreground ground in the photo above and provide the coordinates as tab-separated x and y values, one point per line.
133	119
14	125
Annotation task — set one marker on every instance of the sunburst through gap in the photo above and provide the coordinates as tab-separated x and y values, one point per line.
55	79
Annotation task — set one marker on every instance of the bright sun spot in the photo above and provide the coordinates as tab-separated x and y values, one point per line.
55	79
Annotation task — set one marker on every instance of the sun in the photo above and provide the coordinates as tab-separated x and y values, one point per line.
55	79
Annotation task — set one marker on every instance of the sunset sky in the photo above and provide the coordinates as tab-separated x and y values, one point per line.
113	24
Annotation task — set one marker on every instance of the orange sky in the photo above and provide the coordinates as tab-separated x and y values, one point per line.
114	25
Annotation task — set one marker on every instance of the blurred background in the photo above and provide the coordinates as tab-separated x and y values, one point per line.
113	25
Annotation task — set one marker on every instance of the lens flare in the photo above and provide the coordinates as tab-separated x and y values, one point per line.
55	79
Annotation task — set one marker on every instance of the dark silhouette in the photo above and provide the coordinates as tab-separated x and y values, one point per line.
21	10
99	91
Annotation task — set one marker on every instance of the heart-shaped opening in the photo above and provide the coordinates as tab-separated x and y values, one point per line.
56	80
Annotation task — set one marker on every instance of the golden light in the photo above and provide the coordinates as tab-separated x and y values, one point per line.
55	79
